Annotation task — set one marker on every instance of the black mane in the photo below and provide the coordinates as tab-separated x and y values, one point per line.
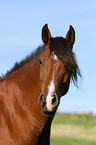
64	52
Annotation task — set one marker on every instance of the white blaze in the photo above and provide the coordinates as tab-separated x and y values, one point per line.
54	56
51	89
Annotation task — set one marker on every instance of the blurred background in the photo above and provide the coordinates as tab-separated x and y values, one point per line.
21	22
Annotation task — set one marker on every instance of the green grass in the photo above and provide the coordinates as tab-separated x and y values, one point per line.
74	129
70	141
86	120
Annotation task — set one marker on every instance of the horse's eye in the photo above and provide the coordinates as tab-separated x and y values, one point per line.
40	61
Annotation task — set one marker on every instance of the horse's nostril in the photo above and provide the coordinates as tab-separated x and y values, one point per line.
42	96
41	99
54	99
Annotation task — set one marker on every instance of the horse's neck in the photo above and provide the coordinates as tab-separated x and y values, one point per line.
29	75
26	84
29	79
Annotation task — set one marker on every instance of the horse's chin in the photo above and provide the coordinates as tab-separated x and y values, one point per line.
43	103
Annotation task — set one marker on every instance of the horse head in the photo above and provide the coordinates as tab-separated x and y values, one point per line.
57	66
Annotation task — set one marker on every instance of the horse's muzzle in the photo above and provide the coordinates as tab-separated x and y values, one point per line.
42	102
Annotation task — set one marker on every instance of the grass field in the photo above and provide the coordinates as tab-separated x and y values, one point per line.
73	129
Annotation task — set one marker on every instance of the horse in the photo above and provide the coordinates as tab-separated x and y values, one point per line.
30	92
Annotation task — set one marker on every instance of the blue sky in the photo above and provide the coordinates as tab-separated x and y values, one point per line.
20	33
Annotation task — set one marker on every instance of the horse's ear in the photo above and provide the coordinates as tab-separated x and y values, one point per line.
70	36
46	35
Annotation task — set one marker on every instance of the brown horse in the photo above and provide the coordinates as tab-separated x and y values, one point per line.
30	93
